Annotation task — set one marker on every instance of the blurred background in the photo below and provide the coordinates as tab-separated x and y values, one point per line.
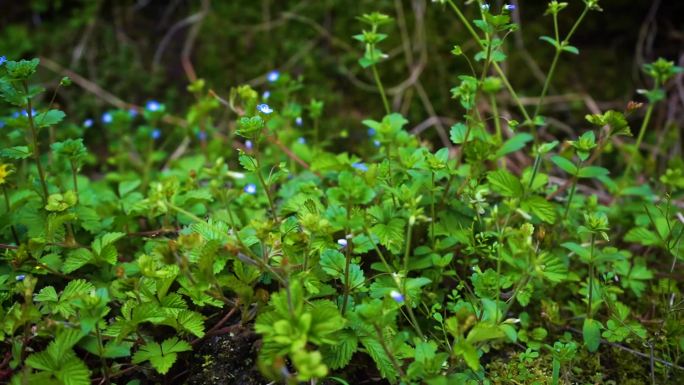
141	50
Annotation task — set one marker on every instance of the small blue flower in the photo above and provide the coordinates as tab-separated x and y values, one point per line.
266	95
264	109
251	189
371	132
107	118
248	144
2	123
342	242
132	112
153	106
202	135
360	166
509	7
20	277
3	59
273	76
485	7
376	143
15	114
298	121
397	296
301	140
88	123
33	112
156	134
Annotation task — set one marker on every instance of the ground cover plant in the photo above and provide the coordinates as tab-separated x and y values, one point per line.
509	252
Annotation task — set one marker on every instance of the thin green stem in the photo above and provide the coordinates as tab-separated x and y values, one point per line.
642	132
34	138
378	83
547	82
559	50
184	212
535	170
432	210
383	342
347	262
591	275
263	182
572	192
496	66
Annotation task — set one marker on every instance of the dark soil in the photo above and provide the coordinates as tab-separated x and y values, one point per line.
228	359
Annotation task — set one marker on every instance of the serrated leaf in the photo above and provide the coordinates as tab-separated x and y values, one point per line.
505	183
17	152
192	322
333	263
48	118
162	357
339	355
77	259
540	207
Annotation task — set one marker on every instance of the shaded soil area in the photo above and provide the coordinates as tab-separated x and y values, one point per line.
228	359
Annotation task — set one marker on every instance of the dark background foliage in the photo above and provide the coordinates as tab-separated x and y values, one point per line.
135	49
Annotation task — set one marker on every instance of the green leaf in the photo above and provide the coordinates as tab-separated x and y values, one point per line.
577	249
642	236
549	40
571	49
192	322
592	172
484	331
77	259
248	162
339	355
381	359
48	118
17	152
540	207
163	356
333	263
591	333
564	164
514	144
505	183
73	372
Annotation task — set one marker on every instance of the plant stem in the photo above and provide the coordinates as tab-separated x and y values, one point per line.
432	211
100	348
36	150
495	113
535	170
74	175
547	82
591	275
347	262
496	66
184	212
559	45
642	132
262	181
572	191
388	352
378	83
